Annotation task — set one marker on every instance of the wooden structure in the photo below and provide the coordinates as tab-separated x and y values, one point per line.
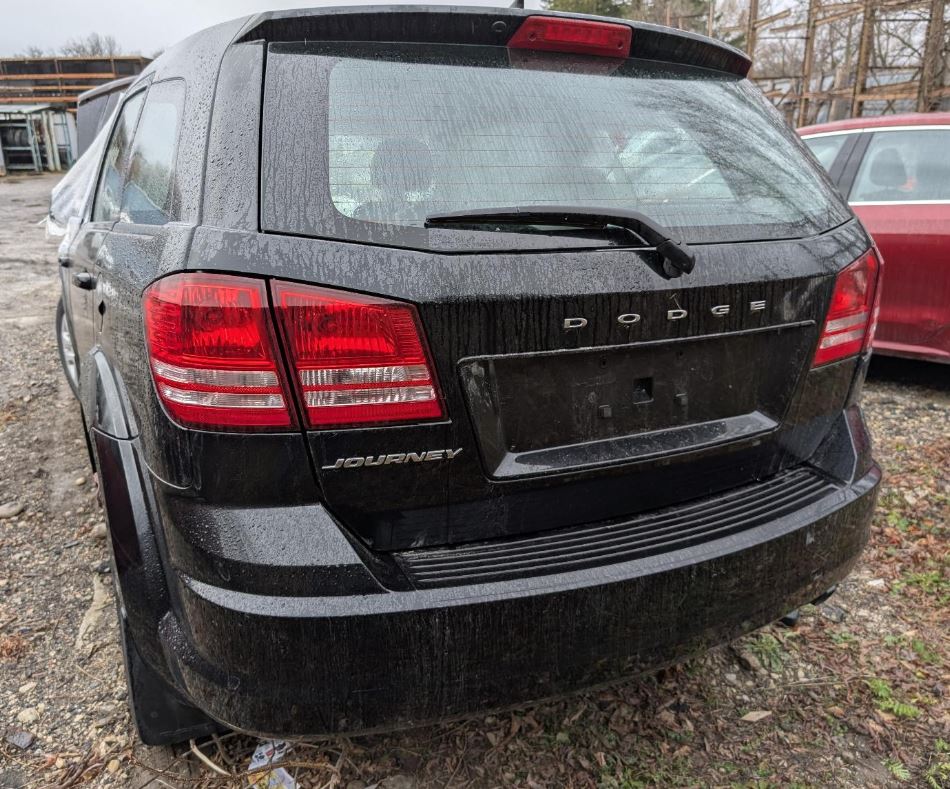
846	69
60	80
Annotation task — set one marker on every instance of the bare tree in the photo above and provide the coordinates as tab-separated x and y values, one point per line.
819	59
688	14
32	52
91	45
611	8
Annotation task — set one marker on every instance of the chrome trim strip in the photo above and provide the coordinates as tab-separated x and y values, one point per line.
875	129
900	202
919	127
830	134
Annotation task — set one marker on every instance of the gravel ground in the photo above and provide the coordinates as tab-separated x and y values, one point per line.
855	696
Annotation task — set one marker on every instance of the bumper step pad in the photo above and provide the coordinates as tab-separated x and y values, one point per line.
654	533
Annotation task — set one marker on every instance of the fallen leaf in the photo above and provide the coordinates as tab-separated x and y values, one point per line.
666	718
756	715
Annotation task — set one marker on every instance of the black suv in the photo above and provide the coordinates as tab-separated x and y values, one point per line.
434	361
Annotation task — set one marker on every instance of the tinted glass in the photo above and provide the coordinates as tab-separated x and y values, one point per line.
826	149
414	131
149	197
903	166
112	175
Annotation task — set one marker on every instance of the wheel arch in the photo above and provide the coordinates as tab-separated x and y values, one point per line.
104	399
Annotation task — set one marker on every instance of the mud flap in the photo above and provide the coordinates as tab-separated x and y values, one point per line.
160	715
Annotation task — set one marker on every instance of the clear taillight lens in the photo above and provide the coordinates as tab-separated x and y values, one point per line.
849	325
213	352
356	359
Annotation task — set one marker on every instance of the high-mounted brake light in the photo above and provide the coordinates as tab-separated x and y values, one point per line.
356	359
849	326
213	353
576	36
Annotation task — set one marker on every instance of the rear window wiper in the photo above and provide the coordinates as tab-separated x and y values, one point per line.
678	257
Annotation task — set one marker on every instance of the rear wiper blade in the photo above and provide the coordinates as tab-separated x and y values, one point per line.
678	257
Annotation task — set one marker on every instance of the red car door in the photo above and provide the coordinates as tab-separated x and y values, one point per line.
901	193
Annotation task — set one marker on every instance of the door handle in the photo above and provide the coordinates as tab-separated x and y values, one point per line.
64	261
84	281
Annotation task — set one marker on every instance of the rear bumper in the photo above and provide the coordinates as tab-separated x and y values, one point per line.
303	665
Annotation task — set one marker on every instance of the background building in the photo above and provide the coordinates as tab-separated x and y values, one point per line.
38	106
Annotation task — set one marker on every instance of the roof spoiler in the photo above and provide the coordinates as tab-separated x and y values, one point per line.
480	26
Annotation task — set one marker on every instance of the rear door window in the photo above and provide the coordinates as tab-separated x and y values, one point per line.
364	142
112	174
150	197
904	166
826	148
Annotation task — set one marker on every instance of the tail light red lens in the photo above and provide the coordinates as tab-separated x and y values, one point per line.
213	353
216	363
849	325
357	359
576	36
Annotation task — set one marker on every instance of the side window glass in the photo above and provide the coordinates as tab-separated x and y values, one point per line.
112	176
903	166
826	149
150	196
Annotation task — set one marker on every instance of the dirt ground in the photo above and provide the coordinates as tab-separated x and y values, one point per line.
857	695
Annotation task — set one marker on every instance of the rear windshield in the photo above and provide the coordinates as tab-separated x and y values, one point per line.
365	141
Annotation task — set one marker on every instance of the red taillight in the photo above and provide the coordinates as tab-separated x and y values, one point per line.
215	360
213	353
356	359
849	325
576	36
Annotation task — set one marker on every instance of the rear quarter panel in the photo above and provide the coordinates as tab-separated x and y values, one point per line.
914	240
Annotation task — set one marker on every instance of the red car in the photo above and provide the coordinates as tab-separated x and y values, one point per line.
895	172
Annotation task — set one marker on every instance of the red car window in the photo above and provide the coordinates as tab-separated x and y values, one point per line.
904	166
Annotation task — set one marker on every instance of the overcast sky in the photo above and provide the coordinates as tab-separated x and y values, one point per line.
144	26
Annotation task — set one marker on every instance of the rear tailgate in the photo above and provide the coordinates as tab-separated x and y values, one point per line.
429	499
580	384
